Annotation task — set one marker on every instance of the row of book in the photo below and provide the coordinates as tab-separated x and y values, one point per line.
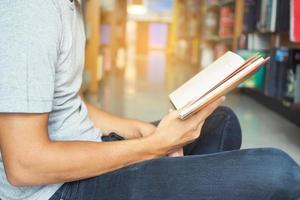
218	29
283	75
273	16
280	78
219	20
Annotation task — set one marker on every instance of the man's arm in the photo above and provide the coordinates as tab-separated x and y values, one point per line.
128	128
30	158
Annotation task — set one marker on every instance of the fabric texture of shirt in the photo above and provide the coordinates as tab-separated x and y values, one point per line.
42	47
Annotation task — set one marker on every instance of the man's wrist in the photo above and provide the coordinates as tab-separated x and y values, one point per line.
156	147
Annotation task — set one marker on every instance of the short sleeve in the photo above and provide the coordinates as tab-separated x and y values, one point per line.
29	45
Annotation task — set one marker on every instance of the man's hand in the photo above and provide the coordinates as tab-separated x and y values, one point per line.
30	158
174	133
178	153
143	129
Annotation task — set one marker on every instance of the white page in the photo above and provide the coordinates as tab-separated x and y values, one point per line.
221	88
206	79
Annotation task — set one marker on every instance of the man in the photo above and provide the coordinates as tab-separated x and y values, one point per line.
50	140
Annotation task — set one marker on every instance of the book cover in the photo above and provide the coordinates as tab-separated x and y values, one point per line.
226	22
295	21
294	81
277	73
211	24
283	16
262	22
297	92
268	13
251	15
270	77
258	42
282	68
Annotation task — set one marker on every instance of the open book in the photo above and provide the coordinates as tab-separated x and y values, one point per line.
224	74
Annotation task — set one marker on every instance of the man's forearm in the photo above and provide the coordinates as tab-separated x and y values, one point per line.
110	123
68	161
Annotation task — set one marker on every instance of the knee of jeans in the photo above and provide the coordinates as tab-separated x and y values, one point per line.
232	127
223	110
228	112
286	172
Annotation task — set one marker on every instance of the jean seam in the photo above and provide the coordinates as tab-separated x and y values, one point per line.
64	193
227	119
76	190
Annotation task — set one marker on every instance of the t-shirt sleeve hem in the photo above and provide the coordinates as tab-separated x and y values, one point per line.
25	106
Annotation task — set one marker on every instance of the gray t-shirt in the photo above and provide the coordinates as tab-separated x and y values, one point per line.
41	62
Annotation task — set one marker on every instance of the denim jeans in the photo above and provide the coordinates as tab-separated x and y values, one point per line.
213	168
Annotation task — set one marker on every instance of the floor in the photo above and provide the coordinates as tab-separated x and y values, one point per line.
141	89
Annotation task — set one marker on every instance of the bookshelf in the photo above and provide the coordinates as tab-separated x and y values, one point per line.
285	109
113	18
92	21
243	27
222	26
185	28
271	28
100	55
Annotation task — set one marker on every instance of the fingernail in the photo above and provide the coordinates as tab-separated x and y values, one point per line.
223	98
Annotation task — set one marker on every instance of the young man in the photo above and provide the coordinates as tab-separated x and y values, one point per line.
50	140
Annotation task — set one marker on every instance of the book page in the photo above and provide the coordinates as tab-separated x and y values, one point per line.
206	79
219	91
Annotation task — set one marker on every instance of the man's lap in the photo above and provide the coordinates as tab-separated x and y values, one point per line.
207	172
240	174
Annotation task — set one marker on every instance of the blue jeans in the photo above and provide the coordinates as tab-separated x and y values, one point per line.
214	168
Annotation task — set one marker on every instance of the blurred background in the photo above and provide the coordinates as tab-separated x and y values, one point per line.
139	51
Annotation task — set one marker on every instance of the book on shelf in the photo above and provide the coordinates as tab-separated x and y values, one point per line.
297	92
281	76
294	84
251	16
283	16
211	23
224	74
280	73
295	21
267	16
226	21
275	74
258	42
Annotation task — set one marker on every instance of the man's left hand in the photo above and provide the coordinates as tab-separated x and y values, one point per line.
144	129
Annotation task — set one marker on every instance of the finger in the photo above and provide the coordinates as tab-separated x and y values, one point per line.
177	153
201	115
197	131
208	110
199	128
211	107
174	113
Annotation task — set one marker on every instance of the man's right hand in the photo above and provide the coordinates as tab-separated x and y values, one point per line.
174	133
